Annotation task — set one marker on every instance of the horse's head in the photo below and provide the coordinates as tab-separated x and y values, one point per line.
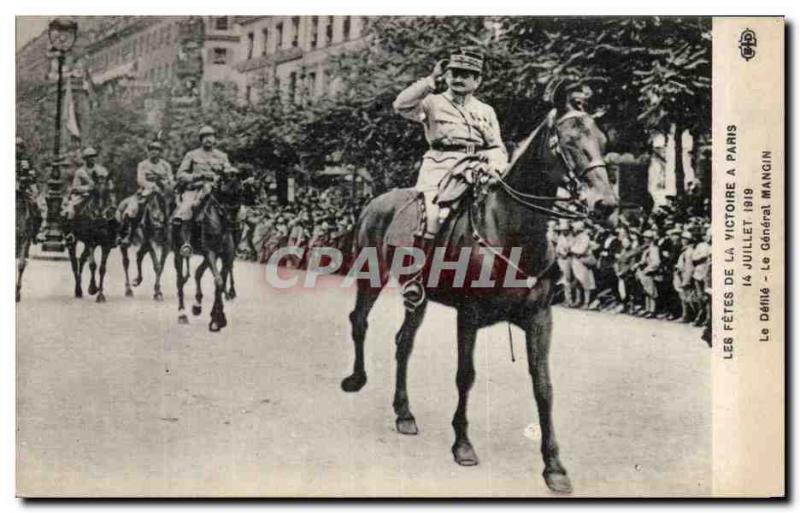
579	143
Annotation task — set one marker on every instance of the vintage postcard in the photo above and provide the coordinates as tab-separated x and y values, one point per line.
400	256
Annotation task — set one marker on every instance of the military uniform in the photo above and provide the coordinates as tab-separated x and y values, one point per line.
151	177
85	181
454	132
197	172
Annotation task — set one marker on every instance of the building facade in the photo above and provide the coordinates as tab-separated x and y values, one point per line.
292	53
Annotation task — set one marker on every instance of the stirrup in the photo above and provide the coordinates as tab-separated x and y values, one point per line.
186	250
413	294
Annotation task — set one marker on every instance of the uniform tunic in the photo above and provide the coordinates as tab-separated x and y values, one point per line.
85	181
197	171
151	177
447	123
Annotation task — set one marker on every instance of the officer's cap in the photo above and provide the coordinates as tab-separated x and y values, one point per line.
89	152
206	130
686	235
648	234
468	59
155	145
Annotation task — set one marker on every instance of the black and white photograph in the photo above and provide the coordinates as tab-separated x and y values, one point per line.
380	256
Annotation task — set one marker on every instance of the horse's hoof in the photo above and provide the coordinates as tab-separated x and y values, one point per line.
197	309
78	293
464	454
137	281
92	289
222	321
354	382
231	295
128	292
158	296
18	297
101	298
182	319
558	482
213	326
407	426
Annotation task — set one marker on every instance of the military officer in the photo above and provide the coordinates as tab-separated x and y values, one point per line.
196	175
458	127
87	179
26	183
153	175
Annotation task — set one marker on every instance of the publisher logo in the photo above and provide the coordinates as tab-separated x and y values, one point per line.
747	44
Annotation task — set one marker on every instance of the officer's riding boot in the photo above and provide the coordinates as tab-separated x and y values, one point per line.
414	289
69	237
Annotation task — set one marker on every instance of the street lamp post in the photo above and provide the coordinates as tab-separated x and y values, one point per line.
62	34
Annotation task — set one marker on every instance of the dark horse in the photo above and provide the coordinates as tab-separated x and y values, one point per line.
27	226
94	225
153	234
212	238
565	148
233	193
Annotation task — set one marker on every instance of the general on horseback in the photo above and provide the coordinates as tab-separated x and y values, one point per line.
558	171
146	212
89	217
463	135
201	220
31	209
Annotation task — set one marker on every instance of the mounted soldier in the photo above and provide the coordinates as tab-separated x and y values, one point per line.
89	179
196	176
154	178
462	132
26	184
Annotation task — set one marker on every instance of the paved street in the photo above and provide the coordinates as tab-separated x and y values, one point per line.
117	398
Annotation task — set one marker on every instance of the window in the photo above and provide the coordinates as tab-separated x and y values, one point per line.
220	56
347	28
168	34
312	84
292	85
328	31
295	31
314	29
265	44
221	23
279	35
250	42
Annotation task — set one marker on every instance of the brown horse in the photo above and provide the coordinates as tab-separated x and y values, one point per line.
28	220
565	150
95	225
213	239
154	239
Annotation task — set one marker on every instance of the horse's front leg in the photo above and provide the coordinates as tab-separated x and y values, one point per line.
140	254
537	341
404	341
463	451
105	250
231	292
126	262
366	296
92	269
76	268
218	320
158	267
181	278
22	261
197	307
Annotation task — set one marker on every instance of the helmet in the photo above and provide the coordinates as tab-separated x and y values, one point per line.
206	130
89	152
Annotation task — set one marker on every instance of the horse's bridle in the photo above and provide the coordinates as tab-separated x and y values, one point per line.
573	179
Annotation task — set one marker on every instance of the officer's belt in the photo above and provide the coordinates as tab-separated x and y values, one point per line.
463	148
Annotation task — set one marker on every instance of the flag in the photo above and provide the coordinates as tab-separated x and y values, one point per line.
71	117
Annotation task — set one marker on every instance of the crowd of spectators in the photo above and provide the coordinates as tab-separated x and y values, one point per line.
654	264
316	217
